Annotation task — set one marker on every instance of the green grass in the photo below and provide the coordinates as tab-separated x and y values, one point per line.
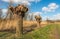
42	33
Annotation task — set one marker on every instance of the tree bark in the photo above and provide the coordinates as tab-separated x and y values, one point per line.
19	28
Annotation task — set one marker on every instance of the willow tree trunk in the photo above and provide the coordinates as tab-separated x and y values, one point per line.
19	28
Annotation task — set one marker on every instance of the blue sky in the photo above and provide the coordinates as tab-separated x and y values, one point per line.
46	8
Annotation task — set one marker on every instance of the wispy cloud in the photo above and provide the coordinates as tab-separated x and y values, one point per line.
37	13
55	17
50	8
27	2
4	10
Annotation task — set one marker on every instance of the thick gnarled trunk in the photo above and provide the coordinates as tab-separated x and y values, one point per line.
19	28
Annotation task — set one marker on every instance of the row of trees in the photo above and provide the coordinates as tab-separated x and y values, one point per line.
28	16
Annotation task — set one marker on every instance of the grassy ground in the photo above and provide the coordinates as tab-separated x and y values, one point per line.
51	31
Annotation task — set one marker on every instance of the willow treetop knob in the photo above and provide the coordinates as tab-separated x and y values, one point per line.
19	10
38	18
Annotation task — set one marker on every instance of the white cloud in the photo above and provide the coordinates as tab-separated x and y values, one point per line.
45	18
53	6
50	8
45	9
37	13
4	10
54	17
27	2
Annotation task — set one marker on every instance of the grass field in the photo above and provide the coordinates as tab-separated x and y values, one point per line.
51	31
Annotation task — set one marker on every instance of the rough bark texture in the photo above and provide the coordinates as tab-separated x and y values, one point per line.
19	28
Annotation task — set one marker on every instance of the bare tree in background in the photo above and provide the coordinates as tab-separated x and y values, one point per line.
0	13
31	17
9	13
25	17
50	21
38	19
